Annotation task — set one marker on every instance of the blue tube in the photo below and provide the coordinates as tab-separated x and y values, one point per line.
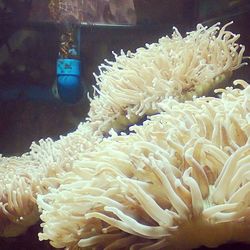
69	80
23	91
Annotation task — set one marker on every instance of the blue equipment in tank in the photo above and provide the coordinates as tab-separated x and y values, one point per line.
68	87
69	80
68	67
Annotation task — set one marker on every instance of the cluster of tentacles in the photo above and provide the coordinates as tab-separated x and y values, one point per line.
185	169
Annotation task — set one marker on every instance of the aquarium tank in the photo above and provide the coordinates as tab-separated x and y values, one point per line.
124	124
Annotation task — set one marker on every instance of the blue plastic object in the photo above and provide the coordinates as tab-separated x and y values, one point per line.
69	80
22	91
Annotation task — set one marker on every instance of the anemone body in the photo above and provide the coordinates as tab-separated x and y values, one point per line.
128	89
179	181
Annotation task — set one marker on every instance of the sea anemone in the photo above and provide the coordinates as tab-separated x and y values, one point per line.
178	67
181	180
21	178
132	86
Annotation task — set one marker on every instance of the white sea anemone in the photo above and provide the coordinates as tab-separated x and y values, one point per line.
181	180
21	178
129	88
180	67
